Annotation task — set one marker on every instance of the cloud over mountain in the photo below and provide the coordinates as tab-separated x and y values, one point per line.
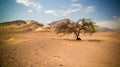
113	24
74	7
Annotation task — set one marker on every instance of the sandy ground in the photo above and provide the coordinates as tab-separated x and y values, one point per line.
46	49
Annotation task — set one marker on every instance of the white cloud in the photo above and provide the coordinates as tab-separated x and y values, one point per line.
69	11
116	18
73	0
76	5
25	2
74	8
90	9
30	3
51	12
30	11
61	13
113	24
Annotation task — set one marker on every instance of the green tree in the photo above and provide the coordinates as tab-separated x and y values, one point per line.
85	25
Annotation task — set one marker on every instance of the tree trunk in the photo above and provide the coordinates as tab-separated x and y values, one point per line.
78	38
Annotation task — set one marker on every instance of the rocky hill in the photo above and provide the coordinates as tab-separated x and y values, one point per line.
55	23
65	21
18	26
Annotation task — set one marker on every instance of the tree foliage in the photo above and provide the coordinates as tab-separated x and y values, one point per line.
85	25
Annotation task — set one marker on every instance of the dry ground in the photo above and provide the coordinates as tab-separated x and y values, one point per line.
46	49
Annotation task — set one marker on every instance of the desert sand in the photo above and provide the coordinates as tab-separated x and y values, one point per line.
47	49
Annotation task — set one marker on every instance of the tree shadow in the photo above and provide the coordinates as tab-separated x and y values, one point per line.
87	40
95	40
68	39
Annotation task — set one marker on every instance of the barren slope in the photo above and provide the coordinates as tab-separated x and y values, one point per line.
45	49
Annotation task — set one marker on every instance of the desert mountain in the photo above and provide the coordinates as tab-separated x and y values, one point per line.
65	21
10	23
105	29
55	23
19	26
20	22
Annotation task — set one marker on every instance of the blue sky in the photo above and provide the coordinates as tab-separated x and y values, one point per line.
50	10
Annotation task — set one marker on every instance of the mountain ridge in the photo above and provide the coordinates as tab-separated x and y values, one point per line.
18	26
33	25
